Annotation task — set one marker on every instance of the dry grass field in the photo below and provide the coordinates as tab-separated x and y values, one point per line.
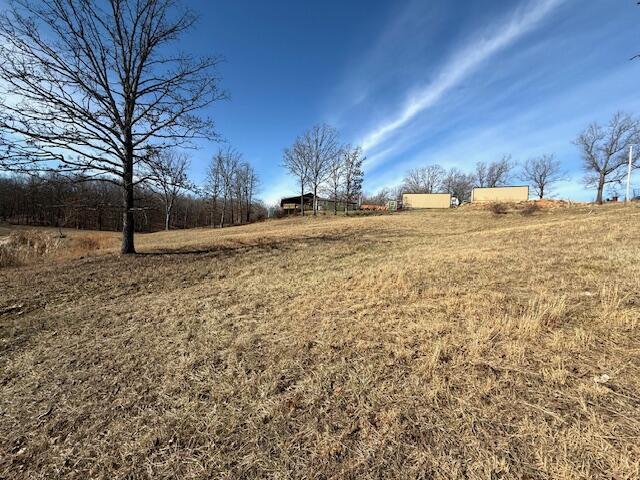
450	344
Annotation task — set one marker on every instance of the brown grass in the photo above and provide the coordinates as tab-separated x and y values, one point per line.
24	246
498	208
28	246
428	344
530	208
545	204
85	243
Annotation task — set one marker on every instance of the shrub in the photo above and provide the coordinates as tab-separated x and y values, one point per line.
33	241
84	243
498	208
529	209
9	257
22	246
87	243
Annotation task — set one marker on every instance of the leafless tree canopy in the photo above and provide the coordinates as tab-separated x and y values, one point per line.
296	161
605	151
345	176
319	161
228	162
321	147
231	186
494	173
167	172
424	179
433	178
62	201
541	173
335	179
247	183
430	179
353	160
458	183
311	156
382	196
89	85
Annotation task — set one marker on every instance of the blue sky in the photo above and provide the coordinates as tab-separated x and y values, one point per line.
419	82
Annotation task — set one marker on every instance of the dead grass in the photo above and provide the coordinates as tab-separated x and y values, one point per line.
27	245
530	208
24	246
498	208
85	243
545	204
452	344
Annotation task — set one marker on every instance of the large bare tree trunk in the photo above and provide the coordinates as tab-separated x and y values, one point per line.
600	189
167	217
315	200
302	198
128	225
128	221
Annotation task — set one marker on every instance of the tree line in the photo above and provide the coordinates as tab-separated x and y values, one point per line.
604	151
539	172
231	187
318	161
79	202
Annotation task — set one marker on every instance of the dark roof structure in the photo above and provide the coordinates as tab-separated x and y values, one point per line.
308	199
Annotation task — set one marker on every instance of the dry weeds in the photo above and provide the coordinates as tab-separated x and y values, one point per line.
453	344
25	245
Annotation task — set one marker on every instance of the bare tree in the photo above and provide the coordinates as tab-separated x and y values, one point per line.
493	174
604	151
335	178
88	85
296	162
480	175
413	182
458	184
213	185
233	181
381	197
320	148
229	163
248	183
168	177
424	180
542	172
353	175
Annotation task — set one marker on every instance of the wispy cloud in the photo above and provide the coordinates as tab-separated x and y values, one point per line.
547	127
459	67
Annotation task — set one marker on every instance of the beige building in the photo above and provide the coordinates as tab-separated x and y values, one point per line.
500	194
426	200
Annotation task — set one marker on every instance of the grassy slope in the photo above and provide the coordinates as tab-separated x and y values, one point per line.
430	344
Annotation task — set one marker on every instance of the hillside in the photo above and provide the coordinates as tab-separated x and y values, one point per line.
450	344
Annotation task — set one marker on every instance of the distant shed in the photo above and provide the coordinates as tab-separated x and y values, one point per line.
292	204
500	194
426	200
